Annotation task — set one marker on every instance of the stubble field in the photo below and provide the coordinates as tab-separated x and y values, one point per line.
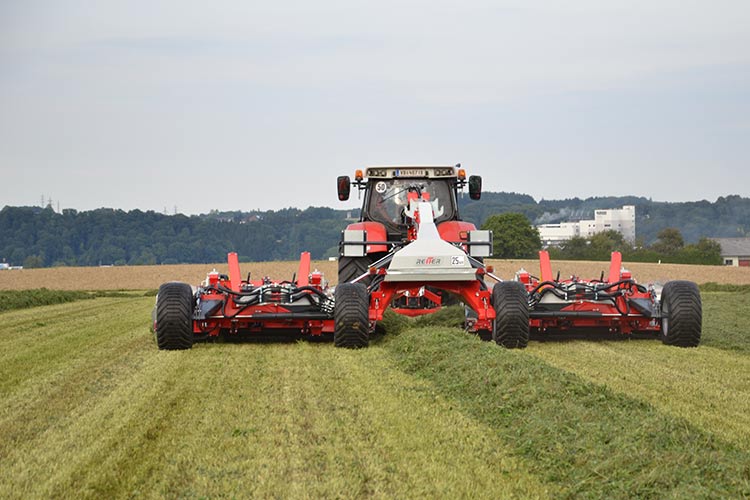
91	409
149	277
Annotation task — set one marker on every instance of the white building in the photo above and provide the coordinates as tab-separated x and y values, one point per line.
621	220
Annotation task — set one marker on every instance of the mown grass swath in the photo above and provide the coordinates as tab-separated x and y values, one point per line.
21	299
584	437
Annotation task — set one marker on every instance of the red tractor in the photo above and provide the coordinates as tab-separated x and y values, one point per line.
411	252
615	304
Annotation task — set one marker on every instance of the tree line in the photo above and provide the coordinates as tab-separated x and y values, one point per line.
36	237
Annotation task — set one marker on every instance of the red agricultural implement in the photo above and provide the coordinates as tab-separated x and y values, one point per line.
615	304
230	306
411	252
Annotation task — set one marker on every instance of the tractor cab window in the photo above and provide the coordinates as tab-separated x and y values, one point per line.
388	199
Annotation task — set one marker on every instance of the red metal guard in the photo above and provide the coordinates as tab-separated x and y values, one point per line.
235	277
304	269
615	264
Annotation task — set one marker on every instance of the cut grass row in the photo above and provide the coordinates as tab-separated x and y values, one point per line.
22	299
92	409
586	436
708	387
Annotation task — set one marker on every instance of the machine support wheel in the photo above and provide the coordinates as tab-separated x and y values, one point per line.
681	314
174	316
511	305
351	316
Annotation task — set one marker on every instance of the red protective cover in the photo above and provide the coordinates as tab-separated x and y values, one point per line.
375	232
451	230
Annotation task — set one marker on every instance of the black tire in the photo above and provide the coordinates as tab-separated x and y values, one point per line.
681	314
351	316
510	300
354	267
174	316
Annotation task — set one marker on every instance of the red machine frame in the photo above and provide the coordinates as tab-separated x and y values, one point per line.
616	305
229	304
471	292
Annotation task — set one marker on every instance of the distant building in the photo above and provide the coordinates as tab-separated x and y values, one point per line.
4	266
734	251
621	220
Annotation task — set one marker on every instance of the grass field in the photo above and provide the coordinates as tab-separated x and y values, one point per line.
92	409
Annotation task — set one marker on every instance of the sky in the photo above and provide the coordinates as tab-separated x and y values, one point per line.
245	105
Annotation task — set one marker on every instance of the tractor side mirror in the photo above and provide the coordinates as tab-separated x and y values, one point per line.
475	187
344	185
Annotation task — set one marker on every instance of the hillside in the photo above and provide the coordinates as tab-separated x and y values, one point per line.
37	237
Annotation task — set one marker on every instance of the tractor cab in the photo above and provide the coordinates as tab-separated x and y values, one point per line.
388	190
389	221
386	200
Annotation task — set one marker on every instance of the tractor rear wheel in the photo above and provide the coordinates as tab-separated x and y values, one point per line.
681	314
511	305
174	316
351	316
354	267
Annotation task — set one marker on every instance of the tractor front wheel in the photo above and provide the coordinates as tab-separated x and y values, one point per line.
351	316
681	314
174	316
511	305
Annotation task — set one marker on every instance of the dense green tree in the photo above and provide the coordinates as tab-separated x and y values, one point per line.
670	241
576	248
33	261
601	245
706	251
513	236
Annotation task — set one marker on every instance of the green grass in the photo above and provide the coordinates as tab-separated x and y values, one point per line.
91	409
22	299
726	324
724	287
12	299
